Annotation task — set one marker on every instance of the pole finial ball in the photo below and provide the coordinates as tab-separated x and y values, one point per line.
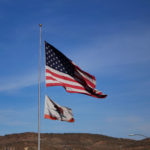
40	25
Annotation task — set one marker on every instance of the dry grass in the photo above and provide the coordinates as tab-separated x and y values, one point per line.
70	142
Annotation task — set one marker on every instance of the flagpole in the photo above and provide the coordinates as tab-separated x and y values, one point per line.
39	91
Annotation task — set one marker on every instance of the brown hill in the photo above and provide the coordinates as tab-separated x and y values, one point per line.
70	141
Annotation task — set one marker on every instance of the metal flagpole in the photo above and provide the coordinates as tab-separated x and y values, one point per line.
39	114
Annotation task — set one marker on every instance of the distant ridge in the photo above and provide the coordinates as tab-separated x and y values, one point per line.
70	141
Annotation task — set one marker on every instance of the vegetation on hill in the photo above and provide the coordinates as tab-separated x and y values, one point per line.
70	141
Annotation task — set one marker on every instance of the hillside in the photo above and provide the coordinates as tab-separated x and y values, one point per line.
70	141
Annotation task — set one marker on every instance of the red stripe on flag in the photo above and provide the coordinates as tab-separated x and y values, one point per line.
53	84
78	79
98	95
60	76
54	118
49	117
71	120
66	85
67	79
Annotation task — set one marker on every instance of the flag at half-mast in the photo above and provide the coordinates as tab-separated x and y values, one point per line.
54	111
61	71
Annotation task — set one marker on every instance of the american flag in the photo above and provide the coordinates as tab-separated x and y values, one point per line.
61	71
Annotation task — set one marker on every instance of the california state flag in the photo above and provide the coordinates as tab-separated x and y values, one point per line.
56	112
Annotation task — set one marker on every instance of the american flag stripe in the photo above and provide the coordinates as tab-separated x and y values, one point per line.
61	79
52	72
56	74
71	88
86	76
53	84
89	81
56	78
49	69
89	76
65	84
52	76
74	90
53	81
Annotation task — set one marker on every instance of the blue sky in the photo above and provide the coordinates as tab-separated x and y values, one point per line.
108	39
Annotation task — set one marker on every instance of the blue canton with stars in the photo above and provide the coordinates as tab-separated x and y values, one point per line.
56	60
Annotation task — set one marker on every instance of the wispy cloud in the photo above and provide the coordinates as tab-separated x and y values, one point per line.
118	49
9	83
